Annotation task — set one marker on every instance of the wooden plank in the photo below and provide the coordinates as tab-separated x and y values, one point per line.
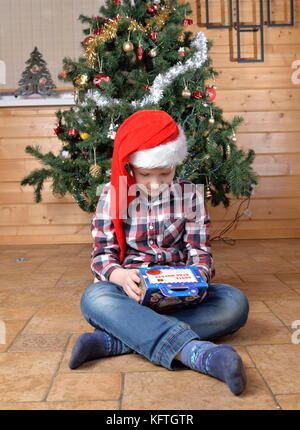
288	209
15	147
259	77
277	186
267	121
275	165
42	214
275	56
269	143
30	111
15	170
259	99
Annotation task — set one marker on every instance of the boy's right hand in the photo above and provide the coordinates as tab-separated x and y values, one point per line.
128	279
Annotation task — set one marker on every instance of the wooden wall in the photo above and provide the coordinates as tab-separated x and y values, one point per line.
263	93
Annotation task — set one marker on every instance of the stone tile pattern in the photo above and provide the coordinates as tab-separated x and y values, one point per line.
40	291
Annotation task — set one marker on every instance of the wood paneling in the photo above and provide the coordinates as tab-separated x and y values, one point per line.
262	93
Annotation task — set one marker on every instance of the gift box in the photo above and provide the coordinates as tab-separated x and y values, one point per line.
166	288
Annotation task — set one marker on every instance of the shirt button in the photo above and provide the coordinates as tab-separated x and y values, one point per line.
159	256
151	227
151	241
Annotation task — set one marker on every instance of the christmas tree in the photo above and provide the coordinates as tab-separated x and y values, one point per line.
36	78
140	55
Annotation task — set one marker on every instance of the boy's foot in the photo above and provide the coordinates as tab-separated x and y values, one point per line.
90	346
219	361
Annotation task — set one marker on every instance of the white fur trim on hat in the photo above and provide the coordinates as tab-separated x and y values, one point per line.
165	155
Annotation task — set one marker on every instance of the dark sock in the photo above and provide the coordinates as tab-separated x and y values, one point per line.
90	346
220	361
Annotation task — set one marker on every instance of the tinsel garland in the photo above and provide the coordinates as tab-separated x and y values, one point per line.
162	80
110	31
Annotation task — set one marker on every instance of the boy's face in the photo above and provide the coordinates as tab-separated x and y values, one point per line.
155	180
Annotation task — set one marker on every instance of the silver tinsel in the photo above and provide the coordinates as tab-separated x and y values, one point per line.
162	80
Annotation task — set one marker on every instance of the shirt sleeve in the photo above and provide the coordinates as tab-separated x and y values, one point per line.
105	253
197	234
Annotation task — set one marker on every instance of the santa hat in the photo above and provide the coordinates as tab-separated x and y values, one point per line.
148	139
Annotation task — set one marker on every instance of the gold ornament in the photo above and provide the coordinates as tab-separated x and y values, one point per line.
95	170
186	93
84	136
128	46
181	37
233	138
153	52
211	120
81	81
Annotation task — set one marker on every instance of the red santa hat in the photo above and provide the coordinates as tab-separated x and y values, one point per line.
148	139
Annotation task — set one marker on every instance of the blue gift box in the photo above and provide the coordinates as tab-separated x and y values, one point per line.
165	288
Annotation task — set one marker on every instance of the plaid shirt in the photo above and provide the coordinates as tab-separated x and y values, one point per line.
168	233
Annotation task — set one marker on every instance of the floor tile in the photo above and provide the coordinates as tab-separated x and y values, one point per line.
8	313
24	388
279	365
26	377
287	311
261	328
258	306
34	362
12	328
266	290
292	280
90	405
187	390
39	342
82	386
289	401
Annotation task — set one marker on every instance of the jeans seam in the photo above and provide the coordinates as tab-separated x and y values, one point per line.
168	343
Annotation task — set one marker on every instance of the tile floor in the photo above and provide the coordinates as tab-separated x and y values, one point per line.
40	290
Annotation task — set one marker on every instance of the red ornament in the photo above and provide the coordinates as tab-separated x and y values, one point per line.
72	131
146	87
140	52
116	18
151	9
63	75
88	40
197	94
211	93
187	21
97	18
43	81
153	35
99	78
98	31
34	69
117	1
181	52
58	130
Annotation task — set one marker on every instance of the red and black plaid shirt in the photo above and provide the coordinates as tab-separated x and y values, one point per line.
171	232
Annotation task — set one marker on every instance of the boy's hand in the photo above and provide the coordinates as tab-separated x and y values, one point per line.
128	279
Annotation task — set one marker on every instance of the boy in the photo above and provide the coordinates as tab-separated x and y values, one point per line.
133	227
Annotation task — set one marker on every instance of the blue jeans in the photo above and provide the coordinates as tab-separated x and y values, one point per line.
161	337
